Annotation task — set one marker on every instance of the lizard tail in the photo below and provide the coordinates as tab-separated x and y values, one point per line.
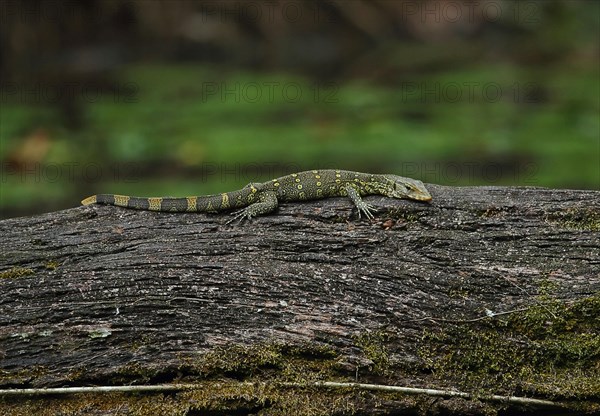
150	204
208	203
89	200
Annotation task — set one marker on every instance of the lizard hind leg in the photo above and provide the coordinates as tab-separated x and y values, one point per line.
267	203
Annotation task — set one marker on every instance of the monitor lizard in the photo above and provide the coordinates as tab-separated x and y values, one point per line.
263	198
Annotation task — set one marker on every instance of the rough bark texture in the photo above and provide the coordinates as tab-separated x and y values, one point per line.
102	295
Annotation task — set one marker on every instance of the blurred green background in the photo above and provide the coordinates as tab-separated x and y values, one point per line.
176	98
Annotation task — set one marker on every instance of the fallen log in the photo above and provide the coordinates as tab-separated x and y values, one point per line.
485	293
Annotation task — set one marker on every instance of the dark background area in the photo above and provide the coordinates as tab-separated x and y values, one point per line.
176	98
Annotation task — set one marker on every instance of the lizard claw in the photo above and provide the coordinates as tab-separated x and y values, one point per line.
240	216
367	209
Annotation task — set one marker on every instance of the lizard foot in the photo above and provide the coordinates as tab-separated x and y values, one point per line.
367	209
240	216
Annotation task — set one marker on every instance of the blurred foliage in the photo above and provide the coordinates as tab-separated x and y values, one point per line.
512	105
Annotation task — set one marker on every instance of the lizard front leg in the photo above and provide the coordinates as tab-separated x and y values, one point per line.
361	205
267	203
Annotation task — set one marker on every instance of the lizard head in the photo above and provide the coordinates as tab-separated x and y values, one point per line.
401	187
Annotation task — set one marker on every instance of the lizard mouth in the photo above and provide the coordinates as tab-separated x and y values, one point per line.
420	196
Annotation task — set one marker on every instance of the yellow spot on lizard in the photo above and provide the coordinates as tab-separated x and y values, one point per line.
192	203
121	200
154	204
225	199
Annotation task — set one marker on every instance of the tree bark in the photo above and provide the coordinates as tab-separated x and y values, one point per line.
486	290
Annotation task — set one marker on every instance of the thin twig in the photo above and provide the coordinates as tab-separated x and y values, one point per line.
462	321
322	384
434	392
532	297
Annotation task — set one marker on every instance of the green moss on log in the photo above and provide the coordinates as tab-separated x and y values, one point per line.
582	219
551	350
15	272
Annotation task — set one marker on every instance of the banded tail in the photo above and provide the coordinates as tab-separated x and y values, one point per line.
209	203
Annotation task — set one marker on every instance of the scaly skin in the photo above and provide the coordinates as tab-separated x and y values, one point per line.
263	198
